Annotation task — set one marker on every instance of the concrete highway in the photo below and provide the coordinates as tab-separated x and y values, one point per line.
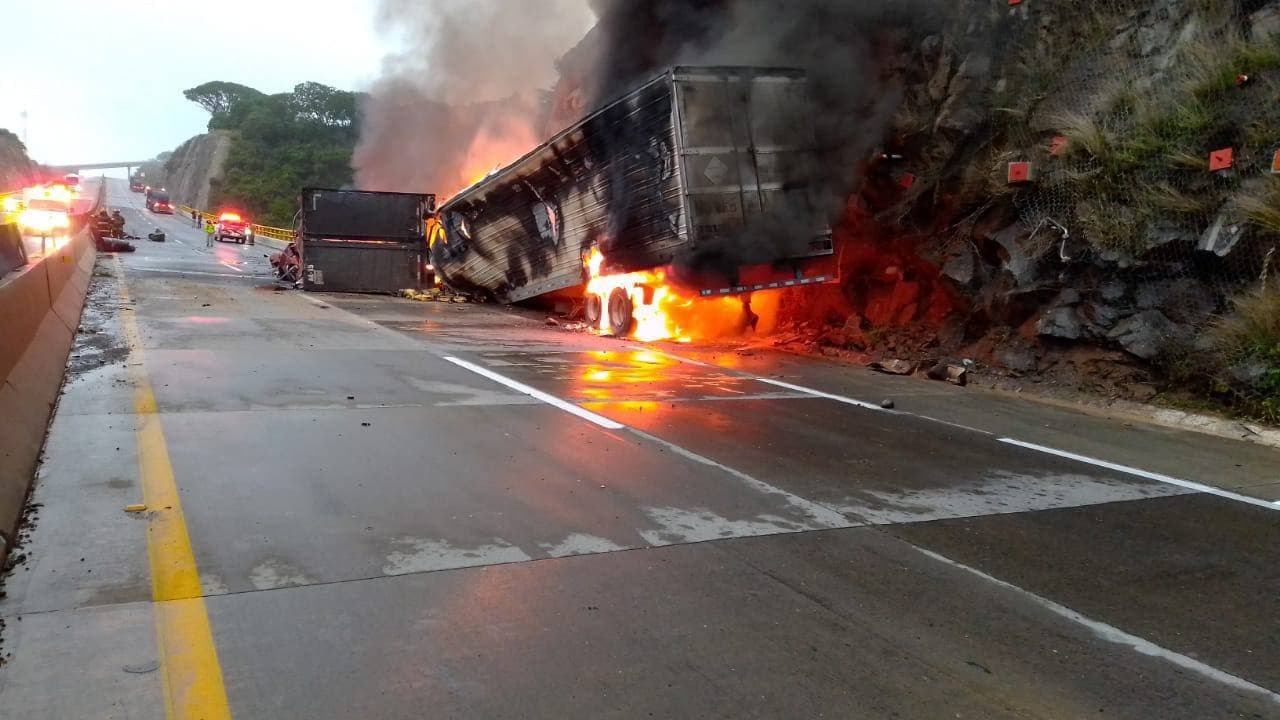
365	507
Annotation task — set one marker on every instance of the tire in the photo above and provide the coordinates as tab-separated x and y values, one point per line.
592	310
620	313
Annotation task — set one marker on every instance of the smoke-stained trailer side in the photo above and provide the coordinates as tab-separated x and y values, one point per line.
703	170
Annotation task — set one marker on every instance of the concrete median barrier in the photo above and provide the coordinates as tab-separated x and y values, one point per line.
39	313
12	253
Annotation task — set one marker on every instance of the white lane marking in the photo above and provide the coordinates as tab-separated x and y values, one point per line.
320	303
179	241
233	267
551	400
1115	635
1198	487
822	515
970	428
819	393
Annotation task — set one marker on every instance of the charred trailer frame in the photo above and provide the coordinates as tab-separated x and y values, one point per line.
704	170
363	242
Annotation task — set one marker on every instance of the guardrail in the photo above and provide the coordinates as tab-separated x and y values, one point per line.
274	233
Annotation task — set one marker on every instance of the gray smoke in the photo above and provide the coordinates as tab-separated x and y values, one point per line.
847	48
462	97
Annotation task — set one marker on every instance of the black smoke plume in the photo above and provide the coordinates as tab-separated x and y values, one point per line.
848	49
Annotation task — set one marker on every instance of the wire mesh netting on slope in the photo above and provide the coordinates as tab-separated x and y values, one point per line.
1136	141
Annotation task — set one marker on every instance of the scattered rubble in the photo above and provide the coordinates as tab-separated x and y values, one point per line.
894	367
954	374
1145	334
435	294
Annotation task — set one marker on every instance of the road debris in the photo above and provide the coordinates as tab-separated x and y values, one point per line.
135	508
893	367
954	374
435	294
887	404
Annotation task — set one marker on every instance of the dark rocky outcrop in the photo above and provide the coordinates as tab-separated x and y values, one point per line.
1124	238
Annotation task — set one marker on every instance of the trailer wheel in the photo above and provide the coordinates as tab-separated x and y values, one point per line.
593	310
620	319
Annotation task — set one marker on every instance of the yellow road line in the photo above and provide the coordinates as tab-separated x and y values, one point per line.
190	672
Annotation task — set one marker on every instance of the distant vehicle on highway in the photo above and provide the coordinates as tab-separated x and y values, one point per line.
233	227
71	180
158	201
136	185
45	217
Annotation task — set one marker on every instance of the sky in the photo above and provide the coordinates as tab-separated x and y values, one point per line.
102	80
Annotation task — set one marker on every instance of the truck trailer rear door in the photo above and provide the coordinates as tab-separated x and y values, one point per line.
747	152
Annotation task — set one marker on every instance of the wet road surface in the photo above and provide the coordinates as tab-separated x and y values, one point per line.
390	509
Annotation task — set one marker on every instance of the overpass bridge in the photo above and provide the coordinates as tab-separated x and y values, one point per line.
129	165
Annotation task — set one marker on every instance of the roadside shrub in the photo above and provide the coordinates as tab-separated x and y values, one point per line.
1244	353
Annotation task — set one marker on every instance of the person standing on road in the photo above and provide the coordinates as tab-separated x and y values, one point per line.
208	233
195	218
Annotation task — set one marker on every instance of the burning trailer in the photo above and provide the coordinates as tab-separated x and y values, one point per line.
697	184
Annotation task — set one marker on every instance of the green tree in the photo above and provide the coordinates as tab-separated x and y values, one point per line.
220	98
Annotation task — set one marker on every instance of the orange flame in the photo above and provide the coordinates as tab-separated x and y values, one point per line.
499	141
662	311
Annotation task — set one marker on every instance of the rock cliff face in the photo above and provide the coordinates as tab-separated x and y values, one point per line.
194	165
1066	174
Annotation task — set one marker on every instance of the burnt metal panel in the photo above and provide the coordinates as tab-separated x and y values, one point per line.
610	181
748	153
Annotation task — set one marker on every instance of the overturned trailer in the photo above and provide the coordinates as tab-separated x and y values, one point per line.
363	242
707	171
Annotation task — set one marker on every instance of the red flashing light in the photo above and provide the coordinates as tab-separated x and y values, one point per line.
229	217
